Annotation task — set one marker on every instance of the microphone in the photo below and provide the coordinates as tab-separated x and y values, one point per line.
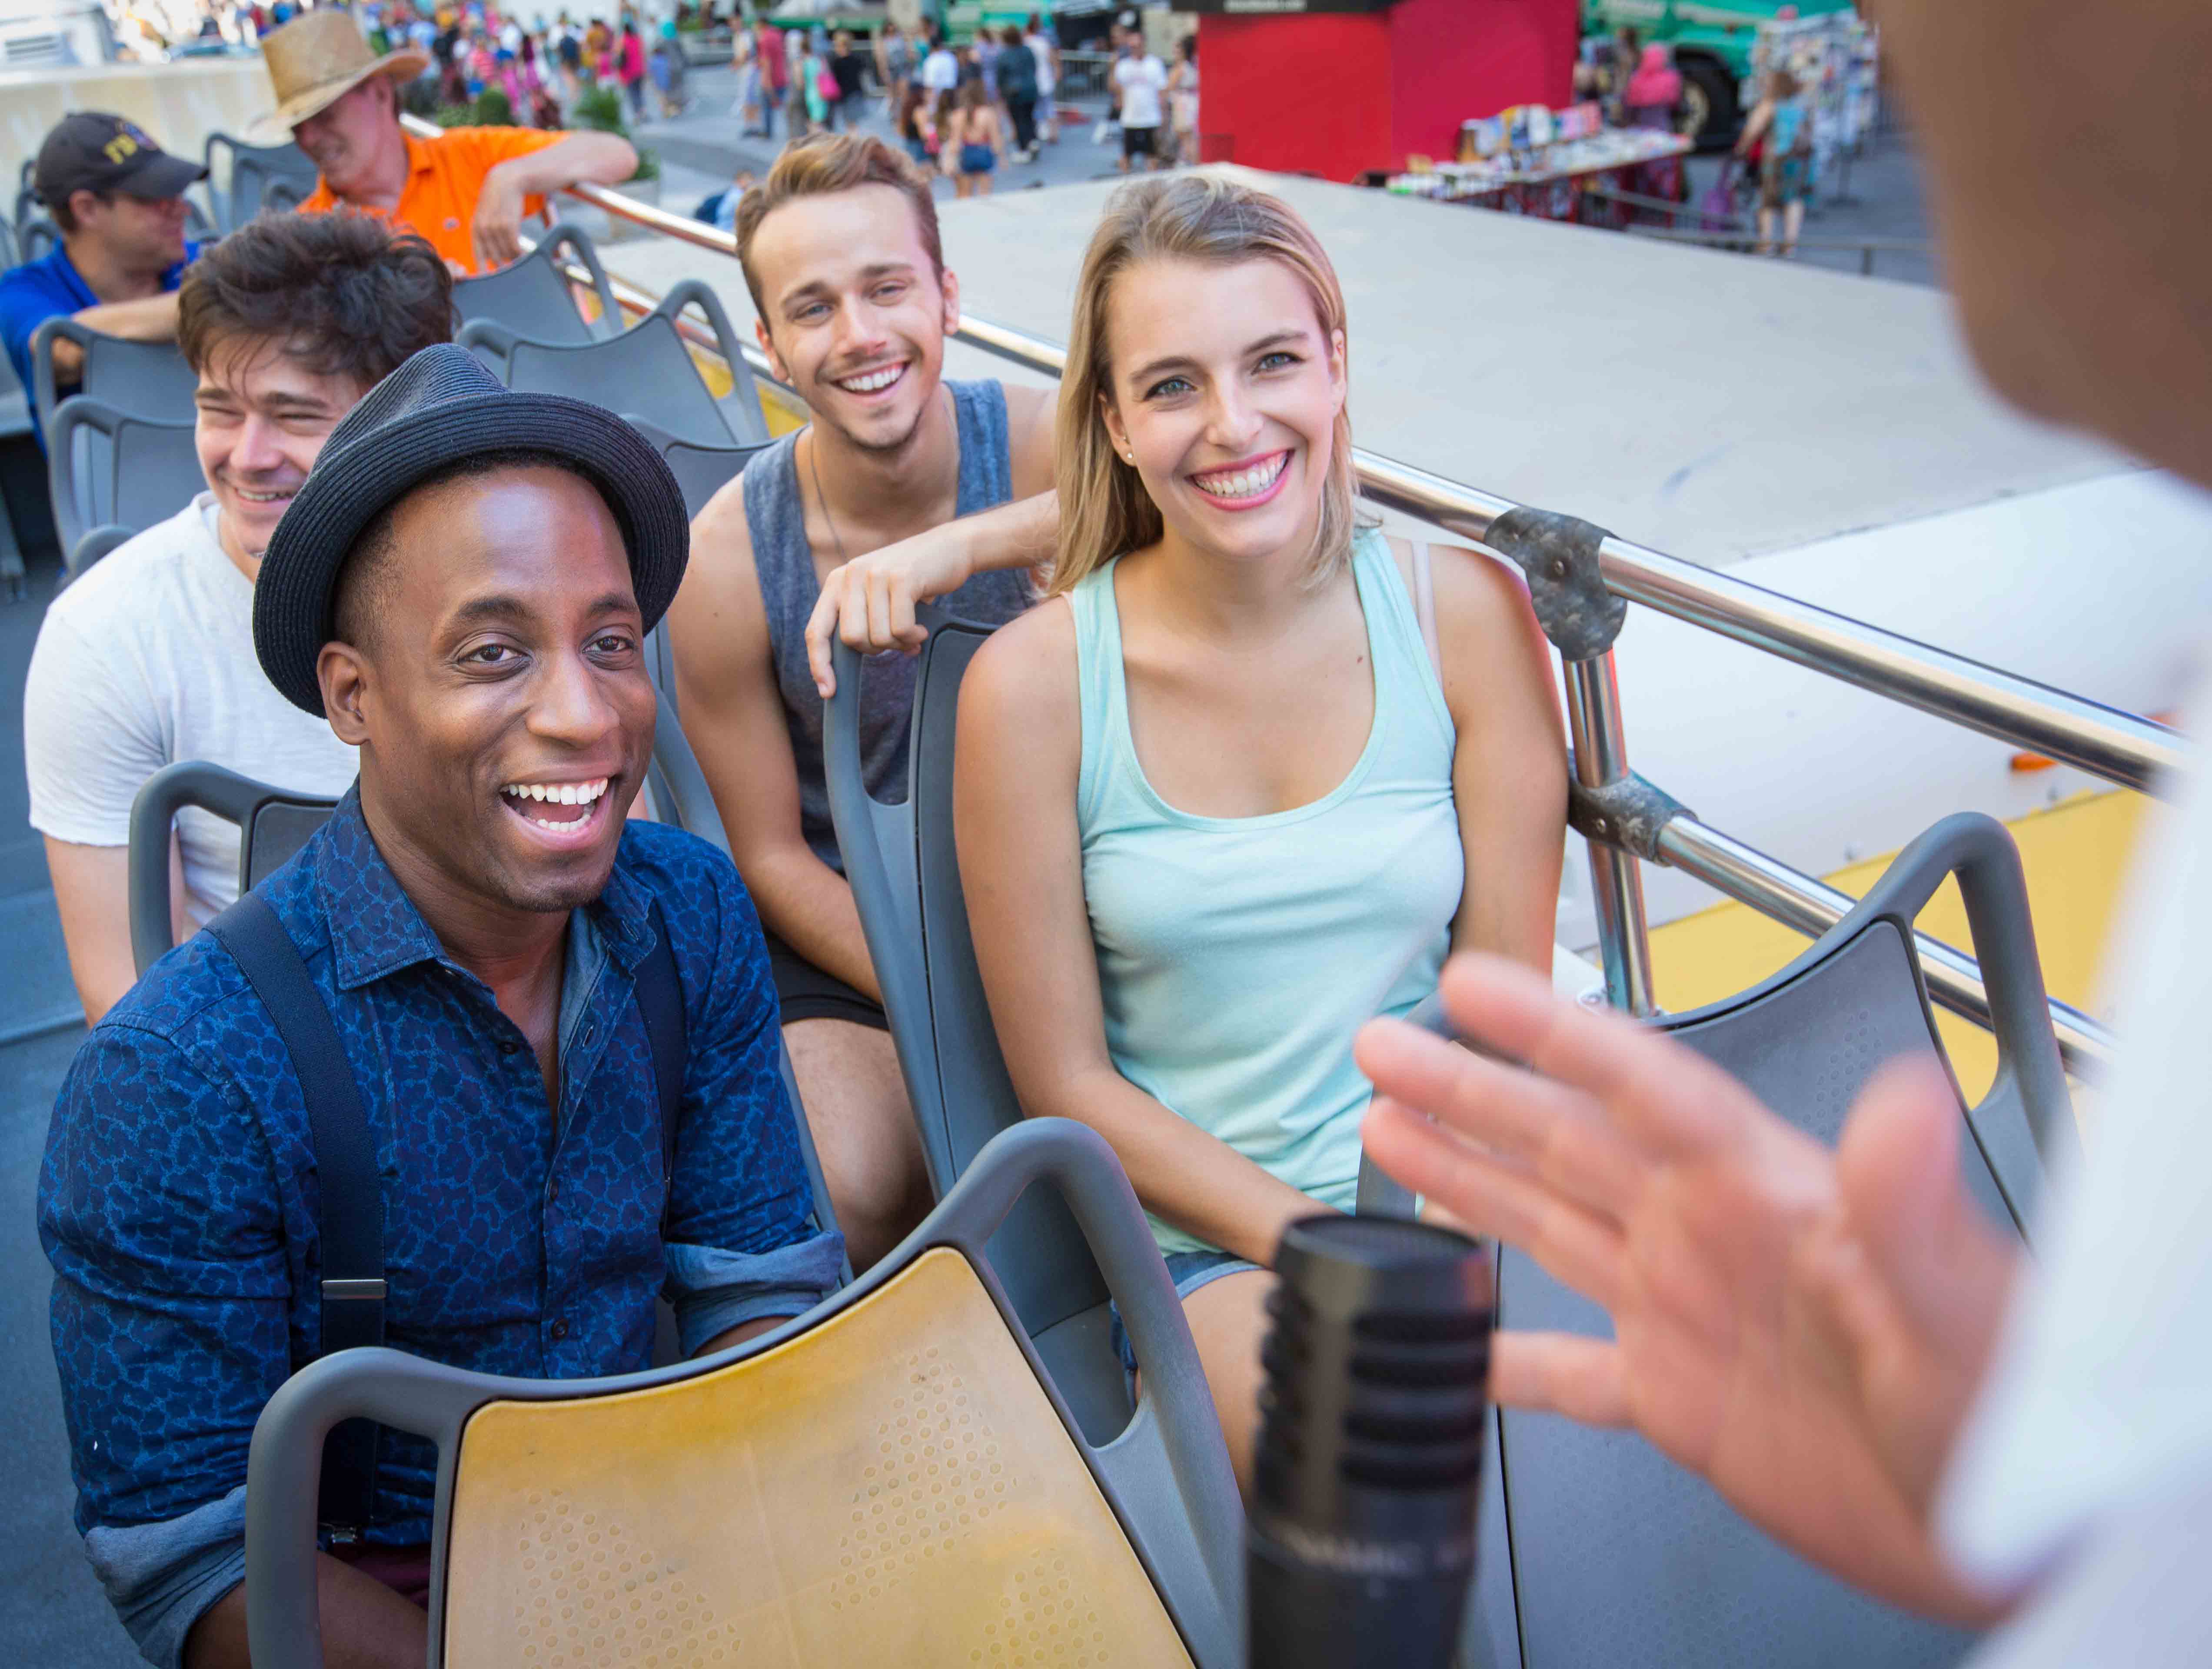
1359	1539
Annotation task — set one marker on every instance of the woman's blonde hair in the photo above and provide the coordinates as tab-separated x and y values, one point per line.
1104	509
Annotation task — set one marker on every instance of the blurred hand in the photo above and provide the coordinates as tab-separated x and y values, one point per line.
496	231
869	601
1804	1329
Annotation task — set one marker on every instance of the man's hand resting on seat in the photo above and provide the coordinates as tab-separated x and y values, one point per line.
1804	1330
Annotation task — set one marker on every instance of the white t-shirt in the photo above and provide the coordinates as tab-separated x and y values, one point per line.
149	659
1141	81
940	71
2088	1463
1040	49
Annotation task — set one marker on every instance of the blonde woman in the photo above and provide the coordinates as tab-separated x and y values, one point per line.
1217	801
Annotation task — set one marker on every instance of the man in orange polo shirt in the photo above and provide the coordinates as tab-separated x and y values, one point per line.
467	191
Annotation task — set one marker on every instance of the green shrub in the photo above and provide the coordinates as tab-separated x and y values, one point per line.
600	108
494	108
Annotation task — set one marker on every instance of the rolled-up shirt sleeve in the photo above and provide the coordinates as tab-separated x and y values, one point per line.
158	1209
713	1290
742	1241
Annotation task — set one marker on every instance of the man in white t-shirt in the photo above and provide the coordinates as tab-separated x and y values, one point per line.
1839	1342
940	70
148	657
1140	80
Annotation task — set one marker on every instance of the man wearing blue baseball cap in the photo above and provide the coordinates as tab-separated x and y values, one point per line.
118	198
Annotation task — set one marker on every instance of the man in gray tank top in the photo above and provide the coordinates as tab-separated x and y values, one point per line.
904	487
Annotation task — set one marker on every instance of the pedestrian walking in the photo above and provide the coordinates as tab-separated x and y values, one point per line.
848	68
802	95
974	141
774	77
630	66
1182	100
1140	80
895	64
940	69
668	79
1017	88
917	129
1655	100
1782	124
1044	48
568	55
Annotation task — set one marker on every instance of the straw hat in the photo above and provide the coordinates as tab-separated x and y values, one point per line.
315	60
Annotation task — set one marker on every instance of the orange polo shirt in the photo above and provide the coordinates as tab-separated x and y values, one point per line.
444	176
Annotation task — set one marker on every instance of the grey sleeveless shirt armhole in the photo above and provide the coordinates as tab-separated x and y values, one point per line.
775	516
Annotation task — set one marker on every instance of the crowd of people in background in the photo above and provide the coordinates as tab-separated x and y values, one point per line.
790	81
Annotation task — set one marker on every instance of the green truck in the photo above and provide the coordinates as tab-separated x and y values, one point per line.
1712	41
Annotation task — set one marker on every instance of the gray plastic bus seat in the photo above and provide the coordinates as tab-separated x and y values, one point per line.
533	297
1615	1555
905	877
702	471
239	176
274	824
9	258
107	468
95	545
36	237
14	420
1167	1482
145	378
647	369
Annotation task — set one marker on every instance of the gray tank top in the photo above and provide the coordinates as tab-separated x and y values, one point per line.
776	517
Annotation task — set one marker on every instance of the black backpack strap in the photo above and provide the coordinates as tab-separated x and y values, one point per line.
660	1003
351	1222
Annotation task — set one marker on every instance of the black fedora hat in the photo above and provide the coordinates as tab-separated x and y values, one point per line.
440	408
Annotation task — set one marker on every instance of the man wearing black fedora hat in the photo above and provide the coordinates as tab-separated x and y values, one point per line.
558	1028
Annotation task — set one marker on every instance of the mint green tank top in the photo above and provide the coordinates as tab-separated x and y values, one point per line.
1237	955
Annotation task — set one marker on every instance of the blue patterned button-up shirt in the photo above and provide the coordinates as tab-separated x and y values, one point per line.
178	1201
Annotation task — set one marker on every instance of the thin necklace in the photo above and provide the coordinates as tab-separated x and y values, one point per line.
814	469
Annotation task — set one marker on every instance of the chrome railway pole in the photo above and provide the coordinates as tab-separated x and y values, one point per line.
1616	881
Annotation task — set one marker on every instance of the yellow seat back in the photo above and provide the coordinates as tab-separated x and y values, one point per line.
889	1491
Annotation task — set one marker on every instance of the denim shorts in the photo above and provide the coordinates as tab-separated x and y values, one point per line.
1189	1271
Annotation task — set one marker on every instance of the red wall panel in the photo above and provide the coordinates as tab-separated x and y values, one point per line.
1296	95
1335	93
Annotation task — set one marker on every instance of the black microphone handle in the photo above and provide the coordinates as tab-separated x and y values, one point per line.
1360	1542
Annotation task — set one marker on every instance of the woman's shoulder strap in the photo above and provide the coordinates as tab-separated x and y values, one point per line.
1425	605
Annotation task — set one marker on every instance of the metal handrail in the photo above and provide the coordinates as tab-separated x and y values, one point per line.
1812	906
2121	747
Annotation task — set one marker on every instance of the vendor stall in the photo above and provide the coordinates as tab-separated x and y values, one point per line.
1531	161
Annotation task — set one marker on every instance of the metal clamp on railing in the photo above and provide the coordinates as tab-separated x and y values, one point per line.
1559	556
